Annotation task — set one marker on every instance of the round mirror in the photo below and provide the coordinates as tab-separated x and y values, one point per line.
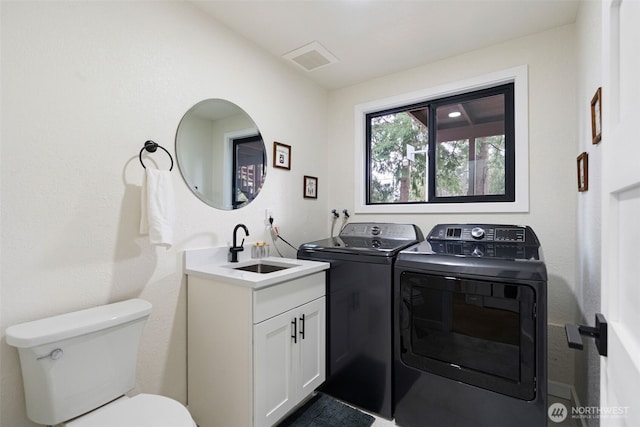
221	155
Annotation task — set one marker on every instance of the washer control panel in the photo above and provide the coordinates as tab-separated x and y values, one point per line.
381	230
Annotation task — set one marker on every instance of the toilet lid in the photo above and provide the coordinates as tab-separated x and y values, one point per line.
142	410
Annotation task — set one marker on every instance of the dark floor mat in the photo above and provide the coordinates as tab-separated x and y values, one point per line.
324	411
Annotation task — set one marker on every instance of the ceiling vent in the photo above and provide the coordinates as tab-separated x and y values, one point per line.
310	57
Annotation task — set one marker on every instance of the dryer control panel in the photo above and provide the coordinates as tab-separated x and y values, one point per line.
483	240
483	232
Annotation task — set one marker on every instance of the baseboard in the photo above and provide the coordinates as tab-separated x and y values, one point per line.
561	390
567	392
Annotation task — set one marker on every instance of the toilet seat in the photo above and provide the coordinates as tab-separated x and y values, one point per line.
142	410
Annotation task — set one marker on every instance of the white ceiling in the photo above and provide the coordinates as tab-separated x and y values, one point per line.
372	38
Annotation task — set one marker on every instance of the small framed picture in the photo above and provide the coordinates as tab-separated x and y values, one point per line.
310	187
281	155
583	172
596	117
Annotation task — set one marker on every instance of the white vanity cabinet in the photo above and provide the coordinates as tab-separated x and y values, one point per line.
288	360
253	354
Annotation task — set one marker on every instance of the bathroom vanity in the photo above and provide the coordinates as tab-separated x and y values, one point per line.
256	341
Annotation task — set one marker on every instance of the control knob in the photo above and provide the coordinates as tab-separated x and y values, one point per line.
477	233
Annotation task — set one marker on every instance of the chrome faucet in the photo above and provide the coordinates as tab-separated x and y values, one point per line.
233	250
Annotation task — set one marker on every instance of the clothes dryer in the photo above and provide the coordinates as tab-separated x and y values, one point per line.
471	328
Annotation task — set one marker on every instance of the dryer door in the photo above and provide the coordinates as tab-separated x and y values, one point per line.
474	331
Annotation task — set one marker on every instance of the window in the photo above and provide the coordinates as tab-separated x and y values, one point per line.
462	147
454	149
248	169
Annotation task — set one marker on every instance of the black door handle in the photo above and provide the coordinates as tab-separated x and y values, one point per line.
302	326
294	335
599	332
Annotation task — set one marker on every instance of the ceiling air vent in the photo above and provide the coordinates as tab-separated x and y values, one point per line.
310	57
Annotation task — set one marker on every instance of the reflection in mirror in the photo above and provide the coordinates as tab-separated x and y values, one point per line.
221	154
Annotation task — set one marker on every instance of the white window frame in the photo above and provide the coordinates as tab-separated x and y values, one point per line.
519	77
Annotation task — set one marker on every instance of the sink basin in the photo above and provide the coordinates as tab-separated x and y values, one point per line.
213	264
263	268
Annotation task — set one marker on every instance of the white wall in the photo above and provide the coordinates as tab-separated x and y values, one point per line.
551	61
589	32
84	84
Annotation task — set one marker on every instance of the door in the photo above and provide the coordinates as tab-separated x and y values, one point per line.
311	342
620	370
472	331
289	360
274	392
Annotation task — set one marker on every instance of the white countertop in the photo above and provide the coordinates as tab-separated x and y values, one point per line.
211	263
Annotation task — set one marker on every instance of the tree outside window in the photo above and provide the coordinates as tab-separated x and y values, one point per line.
468	158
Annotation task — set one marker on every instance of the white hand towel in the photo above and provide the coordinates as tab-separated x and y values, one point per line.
158	207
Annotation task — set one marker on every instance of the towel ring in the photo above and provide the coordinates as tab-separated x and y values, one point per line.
151	147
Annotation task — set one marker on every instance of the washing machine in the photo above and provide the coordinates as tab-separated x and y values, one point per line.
359	310
470	327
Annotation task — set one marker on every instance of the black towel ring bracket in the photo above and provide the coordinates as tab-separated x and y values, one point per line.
151	147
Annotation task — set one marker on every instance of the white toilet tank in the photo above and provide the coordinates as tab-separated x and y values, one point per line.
76	362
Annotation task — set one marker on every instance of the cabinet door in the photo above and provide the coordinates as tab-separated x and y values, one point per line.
311	346
274	391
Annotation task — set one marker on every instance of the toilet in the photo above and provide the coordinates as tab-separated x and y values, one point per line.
77	367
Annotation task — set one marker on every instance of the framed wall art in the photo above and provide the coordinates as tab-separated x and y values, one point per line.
583	172
281	155
310	187
596	117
